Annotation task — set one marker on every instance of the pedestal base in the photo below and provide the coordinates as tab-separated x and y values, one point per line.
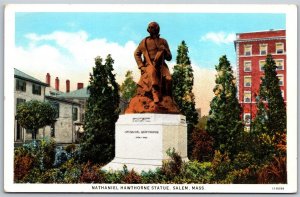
142	140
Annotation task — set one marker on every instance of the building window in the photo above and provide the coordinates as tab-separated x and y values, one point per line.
247	118
19	128
52	130
247	96
247	81
56	106
36	89
280	77
279	64
263	49
248	50
279	48
282	93
19	101
75	114
261	65
247	129
21	85
247	66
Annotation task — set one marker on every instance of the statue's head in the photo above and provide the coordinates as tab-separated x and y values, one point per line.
153	29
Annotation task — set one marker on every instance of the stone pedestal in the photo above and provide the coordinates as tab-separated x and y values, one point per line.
143	139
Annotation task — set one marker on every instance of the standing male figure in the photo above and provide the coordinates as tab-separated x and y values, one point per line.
155	75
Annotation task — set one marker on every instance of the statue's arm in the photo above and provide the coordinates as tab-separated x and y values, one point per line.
138	57
168	55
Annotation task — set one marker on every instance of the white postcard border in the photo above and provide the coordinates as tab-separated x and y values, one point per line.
291	34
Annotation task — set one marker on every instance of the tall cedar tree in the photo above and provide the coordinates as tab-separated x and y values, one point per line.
128	87
224	121
102	111
183	81
272	117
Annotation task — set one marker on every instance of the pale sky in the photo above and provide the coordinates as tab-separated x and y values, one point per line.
65	44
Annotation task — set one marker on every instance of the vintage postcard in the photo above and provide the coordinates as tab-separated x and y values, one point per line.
150	98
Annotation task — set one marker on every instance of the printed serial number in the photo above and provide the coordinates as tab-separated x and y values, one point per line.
277	188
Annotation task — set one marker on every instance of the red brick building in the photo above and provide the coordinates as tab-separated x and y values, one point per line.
252	49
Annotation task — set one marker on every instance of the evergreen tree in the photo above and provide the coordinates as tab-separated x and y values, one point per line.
269	125
102	111
183	81
224	121
128	87
274	118
259	123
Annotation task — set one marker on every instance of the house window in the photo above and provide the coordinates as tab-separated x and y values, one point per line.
279	64
261	65
248	50
280	77
52	130
36	89
263	49
247	118
75	114
56	106
247	96
19	101
247	66
279	48
19	128
21	85
247	81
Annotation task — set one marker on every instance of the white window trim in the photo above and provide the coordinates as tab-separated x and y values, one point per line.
247	128
260	68
250	82
247	114
282	47
246	92
250	66
266	49
282	94
248	45
281	75
282	63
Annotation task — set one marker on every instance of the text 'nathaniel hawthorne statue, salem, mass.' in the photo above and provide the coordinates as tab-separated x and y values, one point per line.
154	92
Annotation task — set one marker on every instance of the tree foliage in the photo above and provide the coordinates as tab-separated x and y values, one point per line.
34	114
271	116
269	124
102	111
183	81
224	121
128	87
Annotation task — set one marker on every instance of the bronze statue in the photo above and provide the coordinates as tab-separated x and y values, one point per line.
154	87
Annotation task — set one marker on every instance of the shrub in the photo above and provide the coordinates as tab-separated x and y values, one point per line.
34	176
91	174
53	175
22	166
152	176
72	171
61	156
221	166
196	172
203	145
273	172
46	153
70	148
242	176
172	167
132	177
